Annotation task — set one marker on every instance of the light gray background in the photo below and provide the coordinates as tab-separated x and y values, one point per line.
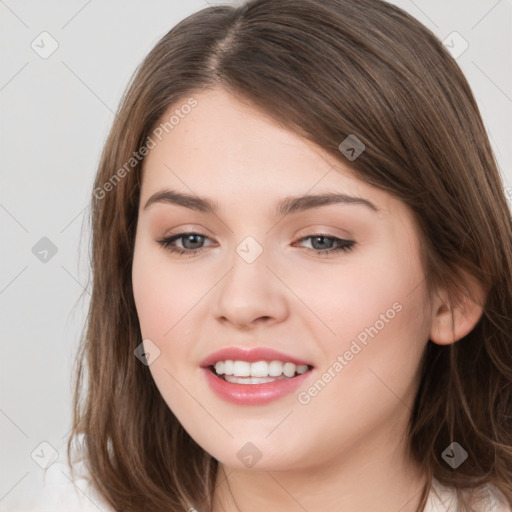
55	115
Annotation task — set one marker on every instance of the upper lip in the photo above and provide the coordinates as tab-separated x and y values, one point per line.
250	355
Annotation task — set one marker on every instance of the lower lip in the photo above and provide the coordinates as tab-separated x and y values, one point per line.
253	394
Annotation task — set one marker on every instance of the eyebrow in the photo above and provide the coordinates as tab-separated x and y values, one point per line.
285	206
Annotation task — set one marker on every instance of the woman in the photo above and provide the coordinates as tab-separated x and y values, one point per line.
340	336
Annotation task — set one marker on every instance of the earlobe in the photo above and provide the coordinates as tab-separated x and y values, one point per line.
451	322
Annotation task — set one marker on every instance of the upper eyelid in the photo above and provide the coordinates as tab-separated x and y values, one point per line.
182	234
343	244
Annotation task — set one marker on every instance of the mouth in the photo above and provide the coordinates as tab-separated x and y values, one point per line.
257	372
254	376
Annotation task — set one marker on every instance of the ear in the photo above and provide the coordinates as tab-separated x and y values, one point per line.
451	322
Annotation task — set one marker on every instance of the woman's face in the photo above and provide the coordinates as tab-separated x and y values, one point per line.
347	327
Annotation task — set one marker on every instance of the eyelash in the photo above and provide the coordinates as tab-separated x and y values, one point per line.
345	245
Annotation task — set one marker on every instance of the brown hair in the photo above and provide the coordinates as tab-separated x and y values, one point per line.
324	69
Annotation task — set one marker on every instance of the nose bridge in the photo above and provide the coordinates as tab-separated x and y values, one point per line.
249	290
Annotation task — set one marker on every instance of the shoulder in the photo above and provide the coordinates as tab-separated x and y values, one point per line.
55	489
63	493
444	499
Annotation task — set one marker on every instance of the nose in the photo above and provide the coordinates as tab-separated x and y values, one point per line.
250	294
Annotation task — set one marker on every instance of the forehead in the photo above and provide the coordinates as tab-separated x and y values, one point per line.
223	148
224	134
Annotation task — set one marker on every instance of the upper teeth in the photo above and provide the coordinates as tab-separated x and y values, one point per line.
258	368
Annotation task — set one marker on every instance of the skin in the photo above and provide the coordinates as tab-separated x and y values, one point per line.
345	449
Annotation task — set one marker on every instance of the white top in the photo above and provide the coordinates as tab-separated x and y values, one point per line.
494	500
57	493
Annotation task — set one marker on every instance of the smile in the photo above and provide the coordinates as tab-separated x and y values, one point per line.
254	377
258	372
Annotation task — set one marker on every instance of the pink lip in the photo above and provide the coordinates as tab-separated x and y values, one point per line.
250	355
251	394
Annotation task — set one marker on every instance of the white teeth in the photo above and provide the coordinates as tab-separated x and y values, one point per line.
249	380
228	368
289	369
275	368
258	369
241	369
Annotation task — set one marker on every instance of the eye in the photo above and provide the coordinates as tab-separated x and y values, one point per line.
328	244
192	243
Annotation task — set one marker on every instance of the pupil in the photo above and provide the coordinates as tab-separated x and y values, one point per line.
191	237
321	238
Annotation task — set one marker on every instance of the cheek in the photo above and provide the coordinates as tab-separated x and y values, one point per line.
163	292
352	296
167	298
163	295
374	308
380	331
151	303
368	375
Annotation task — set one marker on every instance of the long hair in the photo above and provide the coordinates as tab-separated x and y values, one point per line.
324	69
